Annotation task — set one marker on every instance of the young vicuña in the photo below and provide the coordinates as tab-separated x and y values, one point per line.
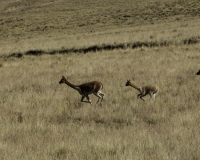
198	73
152	90
86	88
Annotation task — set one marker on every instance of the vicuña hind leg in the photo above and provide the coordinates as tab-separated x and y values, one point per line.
151	97
102	95
154	96
99	97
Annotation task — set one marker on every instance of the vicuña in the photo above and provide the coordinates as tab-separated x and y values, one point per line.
198	73
86	88
152	90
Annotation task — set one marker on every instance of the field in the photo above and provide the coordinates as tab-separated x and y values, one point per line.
149	42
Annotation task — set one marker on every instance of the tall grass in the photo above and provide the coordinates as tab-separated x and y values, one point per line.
41	119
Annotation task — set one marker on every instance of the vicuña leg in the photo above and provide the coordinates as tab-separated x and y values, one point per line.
102	97
99	97
88	99
140	96
82	98
154	96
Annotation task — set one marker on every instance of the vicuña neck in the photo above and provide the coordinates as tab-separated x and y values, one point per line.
134	86
70	84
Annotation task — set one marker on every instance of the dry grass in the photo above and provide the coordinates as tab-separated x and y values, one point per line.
41	119
44	120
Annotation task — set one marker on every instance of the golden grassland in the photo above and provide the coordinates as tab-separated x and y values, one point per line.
41	119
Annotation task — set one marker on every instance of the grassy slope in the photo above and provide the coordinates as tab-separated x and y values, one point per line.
41	119
60	24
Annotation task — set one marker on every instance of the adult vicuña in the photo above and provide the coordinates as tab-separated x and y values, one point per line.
152	90
198	73
86	88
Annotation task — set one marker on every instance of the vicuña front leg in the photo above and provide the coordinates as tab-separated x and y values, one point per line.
82	98
140	96
88	98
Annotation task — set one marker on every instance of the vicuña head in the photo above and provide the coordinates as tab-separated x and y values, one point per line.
198	73
85	89
152	90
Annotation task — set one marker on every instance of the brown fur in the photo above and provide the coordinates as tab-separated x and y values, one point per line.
152	90
198	73
85	89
